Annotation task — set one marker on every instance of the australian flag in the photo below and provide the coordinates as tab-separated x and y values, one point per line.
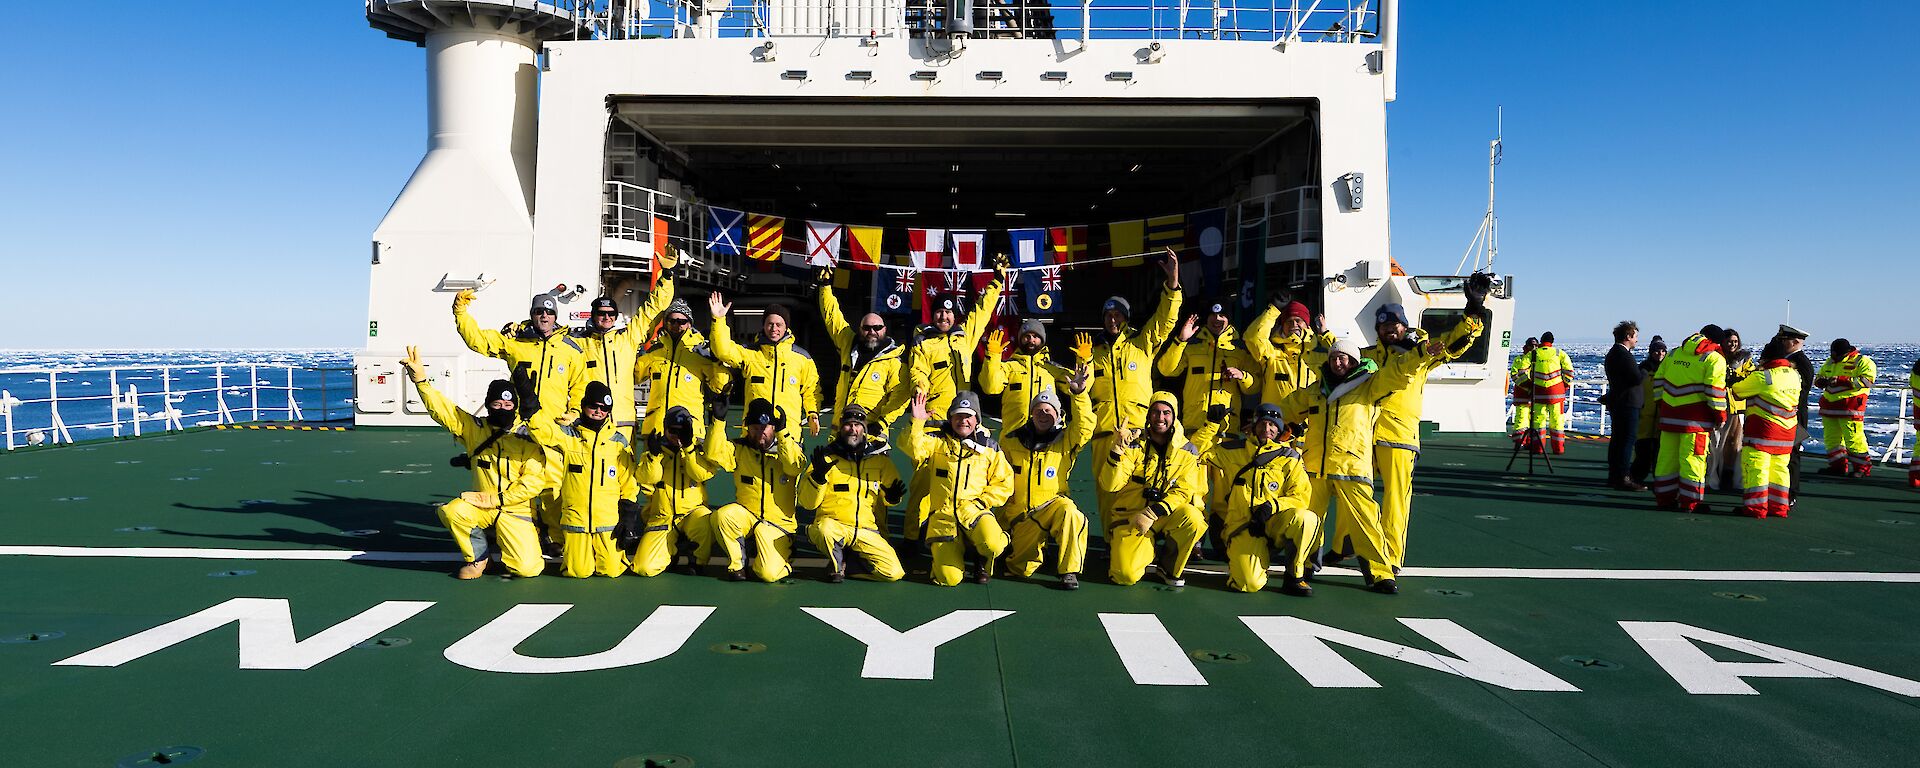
893	289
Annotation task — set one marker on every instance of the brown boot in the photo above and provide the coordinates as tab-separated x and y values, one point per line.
472	570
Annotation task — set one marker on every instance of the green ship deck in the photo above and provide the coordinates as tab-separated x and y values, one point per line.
762	682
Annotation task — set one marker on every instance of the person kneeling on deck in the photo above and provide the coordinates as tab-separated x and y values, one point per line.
766	464
599	473
1340	413
967	476
850	483
1267	498
1042	452
1153	477
676	472
509	470
1772	396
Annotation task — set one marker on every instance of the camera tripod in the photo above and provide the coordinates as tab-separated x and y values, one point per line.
1528	440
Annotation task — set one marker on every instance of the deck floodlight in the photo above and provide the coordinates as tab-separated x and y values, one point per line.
1054	75
764	52
1120	77
991	74
794	74
860	74
1153	53
925	75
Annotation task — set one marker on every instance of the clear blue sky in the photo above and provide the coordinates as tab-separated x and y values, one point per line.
212	180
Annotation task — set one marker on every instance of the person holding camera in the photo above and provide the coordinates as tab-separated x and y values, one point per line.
1212	365
849	484
967	476
1154	479
598	474
1267	498
1042	453
510	471
766	464
1122	361
676	472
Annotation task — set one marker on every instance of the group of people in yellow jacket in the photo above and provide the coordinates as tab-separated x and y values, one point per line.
1695	392
558	449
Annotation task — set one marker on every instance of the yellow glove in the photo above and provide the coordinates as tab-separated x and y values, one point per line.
1142	521
481	500
462	299
415	369
1083	347
996	344
669	258
567	419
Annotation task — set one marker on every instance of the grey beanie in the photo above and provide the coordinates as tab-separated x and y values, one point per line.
680	306
964	402
1117	304
1046	397
544	301
1031	325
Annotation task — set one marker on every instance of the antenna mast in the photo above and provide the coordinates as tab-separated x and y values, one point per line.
1486	239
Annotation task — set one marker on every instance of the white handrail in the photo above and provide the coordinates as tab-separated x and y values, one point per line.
58	416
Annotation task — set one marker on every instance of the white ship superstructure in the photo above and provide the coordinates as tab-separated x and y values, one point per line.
902	114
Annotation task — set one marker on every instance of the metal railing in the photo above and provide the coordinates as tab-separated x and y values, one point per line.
1586	414
1309	21
636	214
67	405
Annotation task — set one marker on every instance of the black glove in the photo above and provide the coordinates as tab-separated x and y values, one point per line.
1478	285
1217	413
822	277
1159	509
1280	297
820	462
895	491
654	444
1260	514
626	533
717	408
1297	429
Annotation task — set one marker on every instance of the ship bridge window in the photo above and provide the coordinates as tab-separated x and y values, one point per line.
1438	321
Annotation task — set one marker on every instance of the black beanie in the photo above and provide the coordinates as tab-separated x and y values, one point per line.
500	389
598	393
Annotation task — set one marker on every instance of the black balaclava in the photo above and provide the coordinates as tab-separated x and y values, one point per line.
501	389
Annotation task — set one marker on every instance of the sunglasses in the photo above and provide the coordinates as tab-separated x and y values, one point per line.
539	312
873	327
678	321
606	313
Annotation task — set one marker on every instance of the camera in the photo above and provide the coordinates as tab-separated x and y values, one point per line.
1152	494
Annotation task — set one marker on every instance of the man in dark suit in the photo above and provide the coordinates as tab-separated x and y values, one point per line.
1624	399
1795	342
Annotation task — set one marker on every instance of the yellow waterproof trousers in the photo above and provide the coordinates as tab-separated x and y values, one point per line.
584	553
1249	553
1058	519
773	546
1522	420
948	533
662	539
518	538
836	538
1394	466
1680	471
1129	551
914	516
1767	481
1357	527
1846	441
1547	421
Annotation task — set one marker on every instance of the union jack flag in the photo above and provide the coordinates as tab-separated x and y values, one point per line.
906	280
1050	279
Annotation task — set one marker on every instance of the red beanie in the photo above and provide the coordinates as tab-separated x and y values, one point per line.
1297	309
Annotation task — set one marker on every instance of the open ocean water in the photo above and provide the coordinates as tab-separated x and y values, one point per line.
321	382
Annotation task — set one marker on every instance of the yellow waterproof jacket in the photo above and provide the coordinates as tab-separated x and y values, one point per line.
854	493
1550	372
1736	372
1282	365
876	382
1257	472
1202	363
779	372
1017	379
1042	462
763	481
1173	469
676	479
596	469
609	357
1771	394
1123	368
512	466
1340	416
681	372
1851	376
1692	386
942	363
555	363
964	473
1398	425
